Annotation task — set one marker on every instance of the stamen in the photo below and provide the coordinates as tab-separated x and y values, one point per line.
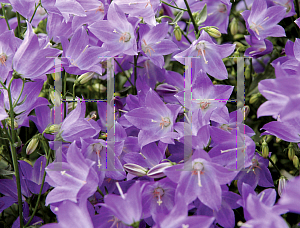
3	59
120	190
201	50
165	122
158	193
198	169
98	9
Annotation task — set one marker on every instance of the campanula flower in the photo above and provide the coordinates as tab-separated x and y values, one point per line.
258	47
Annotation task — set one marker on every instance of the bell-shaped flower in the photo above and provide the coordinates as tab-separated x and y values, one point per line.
80	56
156	120
25	8
262	21
117	33
200	177
72	180
30	60
210	55
258	47
154	45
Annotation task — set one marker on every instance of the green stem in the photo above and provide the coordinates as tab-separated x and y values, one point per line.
14	154
186	37
36	7
65	94
271	162
4	14
191	16
135	74
124	72
175	7
19	25
43	182
74	95
297	8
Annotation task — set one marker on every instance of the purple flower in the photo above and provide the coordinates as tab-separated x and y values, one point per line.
288	4
116	32
30	59
153	44
210	55
262	21
258	47
72	180
26	8
201	178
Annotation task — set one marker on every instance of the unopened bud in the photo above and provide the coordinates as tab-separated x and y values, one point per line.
177	33
55	98
84	78
166	90
254	98
32	145
246	111
233	26
135	169
99	87
291	151
281	185
238	36
52	129
158	170
8	121
265	149
296	162
278	140
247	72
238	44
213	32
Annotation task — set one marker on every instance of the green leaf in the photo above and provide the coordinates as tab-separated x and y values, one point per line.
177	18
201	17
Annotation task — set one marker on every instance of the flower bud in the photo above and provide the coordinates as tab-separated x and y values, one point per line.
233	26
281	185
99	87
8	121
55	98
213	32
254	98
177	33
247	72
158	170
166	90
265	149
238	36
296	162
84	78
34	142
246	111
278	140
291	151
135	169
52	129
238	44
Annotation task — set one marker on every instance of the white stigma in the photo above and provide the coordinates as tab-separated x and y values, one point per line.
201	50
198	168
120	190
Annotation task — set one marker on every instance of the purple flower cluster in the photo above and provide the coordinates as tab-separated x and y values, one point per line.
175	162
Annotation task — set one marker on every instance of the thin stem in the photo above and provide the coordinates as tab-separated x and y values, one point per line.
297	8
74	95
245	4
124	72
191	16
36	7
271	162
19	25
4	14
186	37
135	73
65	94
175	7
42	185
14	154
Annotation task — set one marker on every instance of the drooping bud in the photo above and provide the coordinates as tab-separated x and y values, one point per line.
238	44
281	185
296	162
246	111
84	78
233	26
55	98
291	151
213	32
34	142
238	36
247	72
254	98
177	33
52	129
135	169
158	170
265	149
99	87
